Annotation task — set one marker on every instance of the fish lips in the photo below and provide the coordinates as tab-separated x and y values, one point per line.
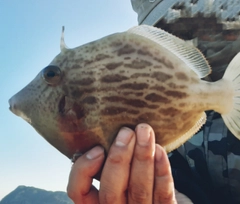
14	108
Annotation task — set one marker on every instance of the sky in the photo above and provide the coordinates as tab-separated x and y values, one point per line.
29	40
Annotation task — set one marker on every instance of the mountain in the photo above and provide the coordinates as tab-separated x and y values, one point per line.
31	195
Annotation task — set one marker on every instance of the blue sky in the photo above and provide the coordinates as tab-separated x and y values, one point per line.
30	39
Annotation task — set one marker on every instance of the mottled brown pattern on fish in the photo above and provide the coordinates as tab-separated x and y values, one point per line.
90	100
167	63
138	64
168	126
137	75
100	57
131	102
113	65
70	53
76	93
127	49
175	86
113	78
158	66
157	98
134	86
149	116
43	90
138	103
158	88
76	66
88	72
88	62
181	76
83	82
116	110
78	61
145	52
161	76
185	116
164	61
63	61
116	43
133	93
176	94
181	105
169	111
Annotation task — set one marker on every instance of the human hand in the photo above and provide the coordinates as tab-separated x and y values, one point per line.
136	171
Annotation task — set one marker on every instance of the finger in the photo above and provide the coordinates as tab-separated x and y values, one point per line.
80	188
163	185
142	171
115	174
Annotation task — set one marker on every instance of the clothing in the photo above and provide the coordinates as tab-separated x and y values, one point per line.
213	155
151	11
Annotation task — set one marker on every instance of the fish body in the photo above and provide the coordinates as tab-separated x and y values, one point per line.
144	75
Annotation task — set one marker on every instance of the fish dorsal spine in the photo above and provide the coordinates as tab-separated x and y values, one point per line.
62	42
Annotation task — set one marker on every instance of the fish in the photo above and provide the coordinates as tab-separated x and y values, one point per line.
143	75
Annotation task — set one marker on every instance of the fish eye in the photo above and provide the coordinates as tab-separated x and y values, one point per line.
51	74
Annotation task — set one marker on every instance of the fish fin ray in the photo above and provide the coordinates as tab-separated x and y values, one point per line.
232	118
185	51
181	140
232	124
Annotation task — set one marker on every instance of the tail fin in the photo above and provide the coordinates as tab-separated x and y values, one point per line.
232	119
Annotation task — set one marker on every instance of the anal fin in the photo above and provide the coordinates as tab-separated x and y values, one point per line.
181	140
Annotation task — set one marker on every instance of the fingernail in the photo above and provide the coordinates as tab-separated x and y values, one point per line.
95	152
124	136
143	134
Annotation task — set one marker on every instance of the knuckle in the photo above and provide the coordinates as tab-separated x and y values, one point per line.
138	194
144	156
108	197
163	198
116	158
166	194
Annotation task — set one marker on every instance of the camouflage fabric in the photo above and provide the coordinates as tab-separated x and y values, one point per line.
214	156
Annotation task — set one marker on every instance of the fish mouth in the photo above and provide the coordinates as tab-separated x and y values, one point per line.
15	110
13	107
10	108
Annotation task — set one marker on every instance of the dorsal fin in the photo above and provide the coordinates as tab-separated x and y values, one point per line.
185	51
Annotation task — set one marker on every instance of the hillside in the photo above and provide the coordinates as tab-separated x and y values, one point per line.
31	195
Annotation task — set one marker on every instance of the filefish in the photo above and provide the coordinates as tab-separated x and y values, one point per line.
144	75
